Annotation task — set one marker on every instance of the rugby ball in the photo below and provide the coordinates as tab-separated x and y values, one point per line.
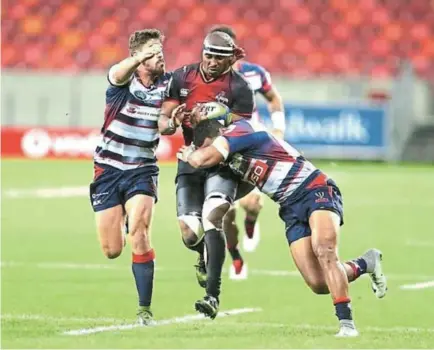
218	111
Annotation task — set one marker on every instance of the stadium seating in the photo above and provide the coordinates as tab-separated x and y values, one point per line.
287	36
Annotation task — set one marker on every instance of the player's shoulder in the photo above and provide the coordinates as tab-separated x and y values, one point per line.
184	70
248	68
241	126
239	79
164	79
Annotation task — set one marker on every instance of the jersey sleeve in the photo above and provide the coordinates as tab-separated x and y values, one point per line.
173	89
243	98
111	80
241	136
266	84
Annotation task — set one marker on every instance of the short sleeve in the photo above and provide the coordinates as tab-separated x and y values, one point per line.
266	84
243	100
173	89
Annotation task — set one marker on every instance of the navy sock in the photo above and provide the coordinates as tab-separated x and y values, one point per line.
216	251
143	271
343	310
359	266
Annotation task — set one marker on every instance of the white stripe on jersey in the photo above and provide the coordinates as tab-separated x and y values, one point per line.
275	179
119	165
133	132
306	170
140	112
128	150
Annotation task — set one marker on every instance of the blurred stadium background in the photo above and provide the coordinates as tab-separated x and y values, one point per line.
357	81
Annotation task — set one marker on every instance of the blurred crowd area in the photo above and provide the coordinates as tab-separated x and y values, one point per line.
288	37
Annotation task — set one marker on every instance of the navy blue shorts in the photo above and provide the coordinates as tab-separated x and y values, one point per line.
112	186
296	213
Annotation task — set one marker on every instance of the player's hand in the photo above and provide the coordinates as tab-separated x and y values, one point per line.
179	114
239	53
184	152
148	52
197	114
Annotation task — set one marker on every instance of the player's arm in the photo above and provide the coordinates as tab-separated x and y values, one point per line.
275	104
121	73
208	156
172	111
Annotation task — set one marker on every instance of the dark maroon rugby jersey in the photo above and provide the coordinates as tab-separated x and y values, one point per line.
188	85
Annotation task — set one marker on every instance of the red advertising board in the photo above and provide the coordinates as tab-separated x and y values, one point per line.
67	143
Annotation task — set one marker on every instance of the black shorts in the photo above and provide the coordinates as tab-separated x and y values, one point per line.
193	186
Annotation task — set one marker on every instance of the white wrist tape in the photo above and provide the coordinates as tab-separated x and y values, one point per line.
219	143
278	119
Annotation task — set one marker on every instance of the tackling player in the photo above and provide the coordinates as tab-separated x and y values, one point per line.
310	205
260	82
125	169
204	197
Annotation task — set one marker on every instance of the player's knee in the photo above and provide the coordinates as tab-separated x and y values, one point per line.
112	251
215	207
230	216
325	251
252	203
318	286
191	229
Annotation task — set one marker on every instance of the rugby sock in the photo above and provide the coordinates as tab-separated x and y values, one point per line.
216	252
249	224
143	271
235	253
359	266
343	308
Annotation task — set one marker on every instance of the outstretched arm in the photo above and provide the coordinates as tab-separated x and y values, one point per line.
275	106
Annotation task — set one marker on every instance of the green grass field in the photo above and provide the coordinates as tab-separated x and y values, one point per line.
55	278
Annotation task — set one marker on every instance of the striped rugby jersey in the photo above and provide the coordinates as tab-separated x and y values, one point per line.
272	165
130	132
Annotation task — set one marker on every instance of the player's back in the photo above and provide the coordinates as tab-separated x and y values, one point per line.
189	85
130	132
272	165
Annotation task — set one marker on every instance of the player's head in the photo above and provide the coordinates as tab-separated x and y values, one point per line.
218	54
224	29
147	38
206	131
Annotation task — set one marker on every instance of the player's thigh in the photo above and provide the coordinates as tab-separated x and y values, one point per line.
325	225
221	182
298	235
308	265
140	194
189	202
107	205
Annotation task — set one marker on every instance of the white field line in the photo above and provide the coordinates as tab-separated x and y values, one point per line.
183	319
83	191
416	286
55	192
421	244
256	272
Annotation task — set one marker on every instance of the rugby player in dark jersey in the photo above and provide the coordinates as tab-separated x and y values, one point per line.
205	196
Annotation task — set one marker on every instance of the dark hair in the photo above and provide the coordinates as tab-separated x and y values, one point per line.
225	29
206	128
141	37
